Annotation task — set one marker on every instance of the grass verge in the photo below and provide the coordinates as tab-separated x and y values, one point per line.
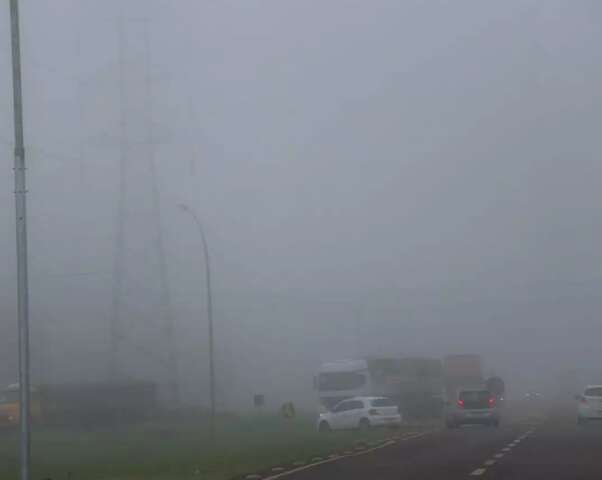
175	450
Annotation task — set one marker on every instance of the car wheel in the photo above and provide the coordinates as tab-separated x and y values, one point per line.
324	427
495	423
451	424
364	424
580	420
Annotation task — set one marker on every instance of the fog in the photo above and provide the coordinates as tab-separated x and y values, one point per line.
374	178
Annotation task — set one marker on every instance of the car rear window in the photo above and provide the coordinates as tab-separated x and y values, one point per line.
475	396
383	402
593	392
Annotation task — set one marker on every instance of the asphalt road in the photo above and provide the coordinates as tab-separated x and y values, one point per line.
546	446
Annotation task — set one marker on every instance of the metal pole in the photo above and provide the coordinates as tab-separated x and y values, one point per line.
195	217
116	325
21	231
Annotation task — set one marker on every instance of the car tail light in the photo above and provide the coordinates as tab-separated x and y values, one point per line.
461	403
583	401
373	411
491	402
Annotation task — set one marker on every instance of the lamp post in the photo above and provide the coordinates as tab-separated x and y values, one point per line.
189	211
21	231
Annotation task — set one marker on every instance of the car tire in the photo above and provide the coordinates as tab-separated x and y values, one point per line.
364	424
581	420
451	424
495	423
324	427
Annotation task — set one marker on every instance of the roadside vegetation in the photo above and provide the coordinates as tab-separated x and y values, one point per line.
176	449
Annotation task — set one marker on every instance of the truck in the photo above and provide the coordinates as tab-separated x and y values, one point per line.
84	404
415	383
421	386
496	386
464	371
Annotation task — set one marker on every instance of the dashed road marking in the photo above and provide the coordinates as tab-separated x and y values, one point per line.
331	458
504	451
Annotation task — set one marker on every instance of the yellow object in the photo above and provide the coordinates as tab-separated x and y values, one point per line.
10	412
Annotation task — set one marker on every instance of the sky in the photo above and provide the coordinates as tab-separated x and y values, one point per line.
374	178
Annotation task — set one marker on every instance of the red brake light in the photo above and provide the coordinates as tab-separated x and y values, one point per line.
491	401
461	403
583	401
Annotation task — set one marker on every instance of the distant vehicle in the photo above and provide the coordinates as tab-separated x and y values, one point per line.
462	371
9	406
496	386
415	383
533	396
82	403
362	413
590	404
472	406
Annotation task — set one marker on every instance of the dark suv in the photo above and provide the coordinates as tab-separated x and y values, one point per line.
472	406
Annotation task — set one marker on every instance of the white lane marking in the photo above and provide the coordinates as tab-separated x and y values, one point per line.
350	454
499	455
330	460
505	449
488	463
478	471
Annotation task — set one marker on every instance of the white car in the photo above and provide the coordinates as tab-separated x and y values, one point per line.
590	404
360	412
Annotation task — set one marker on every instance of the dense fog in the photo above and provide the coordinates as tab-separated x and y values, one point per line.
373	178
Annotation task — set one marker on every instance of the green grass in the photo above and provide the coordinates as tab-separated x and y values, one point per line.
175	450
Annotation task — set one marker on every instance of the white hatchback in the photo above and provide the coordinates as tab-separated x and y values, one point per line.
590	404
360	412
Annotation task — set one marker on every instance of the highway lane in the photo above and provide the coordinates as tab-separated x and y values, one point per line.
549	446
446	454
557	450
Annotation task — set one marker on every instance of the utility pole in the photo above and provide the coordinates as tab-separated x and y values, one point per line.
21	231
165	293
119	242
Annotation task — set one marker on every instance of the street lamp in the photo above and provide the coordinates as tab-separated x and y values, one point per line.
186	209
21	231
